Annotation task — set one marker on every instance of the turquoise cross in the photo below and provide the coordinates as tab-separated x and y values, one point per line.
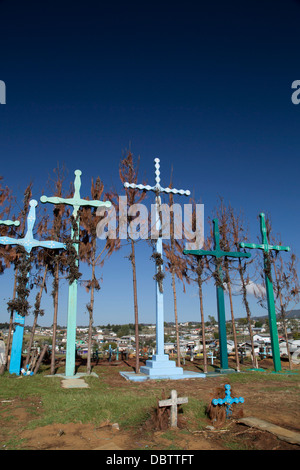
218	254
76	201
28	243
228	400
269	289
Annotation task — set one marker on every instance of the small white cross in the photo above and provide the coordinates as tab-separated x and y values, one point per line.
173	402
211	356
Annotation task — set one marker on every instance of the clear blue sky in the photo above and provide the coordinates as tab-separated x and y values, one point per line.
204	86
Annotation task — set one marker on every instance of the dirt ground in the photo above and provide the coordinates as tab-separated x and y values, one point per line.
265	400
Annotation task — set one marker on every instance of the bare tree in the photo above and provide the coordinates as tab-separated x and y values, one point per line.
223	214
128	172
56	260
88	253
239	233
199	267
285	282
22	216
196	270
176	265
287	291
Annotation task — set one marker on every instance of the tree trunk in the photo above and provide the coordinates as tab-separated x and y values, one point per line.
55	302
245	301
283	319
40	359
233	322
136	320
35	318
203	324
8	345
176	318
91	310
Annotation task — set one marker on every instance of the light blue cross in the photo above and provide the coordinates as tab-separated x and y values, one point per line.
76	202
160	357
28	242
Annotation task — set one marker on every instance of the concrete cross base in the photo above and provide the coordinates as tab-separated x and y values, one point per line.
225	371
79	375
160	365
141	377
161	368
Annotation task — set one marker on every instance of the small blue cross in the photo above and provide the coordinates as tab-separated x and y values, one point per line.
228	400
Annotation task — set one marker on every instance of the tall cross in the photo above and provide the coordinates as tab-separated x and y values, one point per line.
158	189
28	243
269	288
76	201
217	253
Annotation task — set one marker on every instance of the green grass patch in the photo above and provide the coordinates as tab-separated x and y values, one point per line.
95	404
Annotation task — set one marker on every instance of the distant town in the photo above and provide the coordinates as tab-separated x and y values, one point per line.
121	337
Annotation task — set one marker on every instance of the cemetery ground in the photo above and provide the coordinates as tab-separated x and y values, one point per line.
37	413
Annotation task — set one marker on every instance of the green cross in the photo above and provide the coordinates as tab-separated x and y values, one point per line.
76	202
218	254
269	289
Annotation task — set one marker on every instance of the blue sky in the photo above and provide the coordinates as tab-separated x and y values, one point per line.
206	87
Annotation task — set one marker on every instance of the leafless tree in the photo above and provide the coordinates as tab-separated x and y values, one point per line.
89	252
239	232
285	282
129	172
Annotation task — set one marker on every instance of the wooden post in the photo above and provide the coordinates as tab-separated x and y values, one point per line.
40	358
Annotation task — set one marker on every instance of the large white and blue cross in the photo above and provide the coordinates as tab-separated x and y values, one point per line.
160	359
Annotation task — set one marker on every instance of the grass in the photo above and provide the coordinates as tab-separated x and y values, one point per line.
95	404
195	413
254	377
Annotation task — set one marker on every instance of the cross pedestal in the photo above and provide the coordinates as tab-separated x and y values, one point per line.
269	289
28	242
173	402
160	365
76	202
217	253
